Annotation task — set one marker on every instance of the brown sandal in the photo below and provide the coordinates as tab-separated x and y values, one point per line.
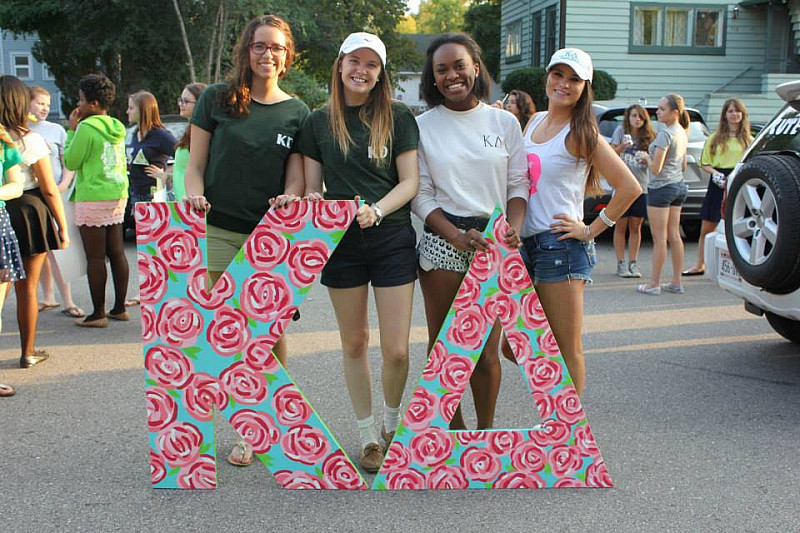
241	454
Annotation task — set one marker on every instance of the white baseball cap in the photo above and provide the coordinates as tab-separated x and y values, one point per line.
362	39
576	58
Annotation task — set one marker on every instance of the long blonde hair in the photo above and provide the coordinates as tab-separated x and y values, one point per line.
149	118
723	133
376	114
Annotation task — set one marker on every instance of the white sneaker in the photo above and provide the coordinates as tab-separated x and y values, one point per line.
622	269
633	270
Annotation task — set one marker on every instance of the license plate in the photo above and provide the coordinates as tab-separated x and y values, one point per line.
727	269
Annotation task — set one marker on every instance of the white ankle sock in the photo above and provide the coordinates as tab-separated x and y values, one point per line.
391	417
366	428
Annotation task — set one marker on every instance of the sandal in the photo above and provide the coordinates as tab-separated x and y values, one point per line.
74	312
646	289
46	307
6	390
133	302
694	271
241	454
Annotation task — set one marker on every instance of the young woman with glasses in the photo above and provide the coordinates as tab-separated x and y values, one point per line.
243	152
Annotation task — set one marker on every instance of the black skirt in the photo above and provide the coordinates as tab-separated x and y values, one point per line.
33	223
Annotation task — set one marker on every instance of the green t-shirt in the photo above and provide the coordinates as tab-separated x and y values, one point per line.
357	174
247	157
9	156
179	172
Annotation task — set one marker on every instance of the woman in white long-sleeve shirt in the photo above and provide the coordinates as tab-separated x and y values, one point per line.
471	159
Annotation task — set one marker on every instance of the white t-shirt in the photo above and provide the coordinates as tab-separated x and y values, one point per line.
33	147
469	161
558	180
56	138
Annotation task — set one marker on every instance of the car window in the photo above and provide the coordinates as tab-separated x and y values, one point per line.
781	133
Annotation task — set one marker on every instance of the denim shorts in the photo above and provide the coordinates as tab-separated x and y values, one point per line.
672	195
550	260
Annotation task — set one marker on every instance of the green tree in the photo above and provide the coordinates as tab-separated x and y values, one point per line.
482	22
441	16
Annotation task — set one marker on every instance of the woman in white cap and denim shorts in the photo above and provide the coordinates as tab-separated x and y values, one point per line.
363	145
566	154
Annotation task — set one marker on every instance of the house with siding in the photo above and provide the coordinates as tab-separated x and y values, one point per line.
706	51
16	59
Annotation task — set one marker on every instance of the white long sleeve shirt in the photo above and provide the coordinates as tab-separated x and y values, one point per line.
469	161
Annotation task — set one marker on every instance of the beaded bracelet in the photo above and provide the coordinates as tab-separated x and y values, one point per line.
607	221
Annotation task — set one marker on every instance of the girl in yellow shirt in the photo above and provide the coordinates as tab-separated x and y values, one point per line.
722	151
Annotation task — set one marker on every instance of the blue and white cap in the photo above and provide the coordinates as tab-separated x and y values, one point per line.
363	39
576	58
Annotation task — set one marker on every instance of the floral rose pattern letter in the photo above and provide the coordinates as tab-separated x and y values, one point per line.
425	454
213	348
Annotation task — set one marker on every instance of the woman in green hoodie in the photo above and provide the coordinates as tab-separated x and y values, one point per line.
95	148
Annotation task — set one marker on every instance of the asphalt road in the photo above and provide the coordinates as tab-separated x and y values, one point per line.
693	401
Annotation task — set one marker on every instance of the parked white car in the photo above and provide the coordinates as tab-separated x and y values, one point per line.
755	251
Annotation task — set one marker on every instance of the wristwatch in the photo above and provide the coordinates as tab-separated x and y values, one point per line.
378	213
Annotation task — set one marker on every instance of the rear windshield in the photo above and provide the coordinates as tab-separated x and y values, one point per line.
781	133
698	132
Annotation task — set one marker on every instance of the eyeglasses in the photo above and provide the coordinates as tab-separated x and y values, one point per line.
182	101
260	48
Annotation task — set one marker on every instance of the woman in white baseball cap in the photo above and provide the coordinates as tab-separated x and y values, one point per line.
566	156
364	145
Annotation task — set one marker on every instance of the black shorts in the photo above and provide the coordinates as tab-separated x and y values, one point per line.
638	208
382	255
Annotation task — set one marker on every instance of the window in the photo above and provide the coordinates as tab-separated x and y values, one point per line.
677	28
21	66
514	41
537	40
46	74
550	33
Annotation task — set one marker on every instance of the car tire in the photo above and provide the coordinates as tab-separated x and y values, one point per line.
761	216
785	327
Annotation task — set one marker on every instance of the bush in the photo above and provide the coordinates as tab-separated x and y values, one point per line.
605	87
305	88
532	80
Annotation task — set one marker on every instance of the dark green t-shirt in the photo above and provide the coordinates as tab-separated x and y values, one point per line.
357	174
247	157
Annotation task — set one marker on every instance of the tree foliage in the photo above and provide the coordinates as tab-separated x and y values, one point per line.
138	44
482	22
441	16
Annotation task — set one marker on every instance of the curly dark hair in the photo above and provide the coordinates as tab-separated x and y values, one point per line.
98	88
480	89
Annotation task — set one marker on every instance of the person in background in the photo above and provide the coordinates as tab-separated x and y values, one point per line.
95	149
243	152
11	270
462	178
566	156
666	192
363	145
56	137
151	146
723	149
37	216
518	103
635	134
186	102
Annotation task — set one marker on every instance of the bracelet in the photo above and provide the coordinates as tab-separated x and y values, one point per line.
607	221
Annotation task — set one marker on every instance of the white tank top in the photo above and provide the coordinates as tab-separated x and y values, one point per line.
558	180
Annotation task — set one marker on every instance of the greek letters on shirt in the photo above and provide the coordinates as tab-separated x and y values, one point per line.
371	154
285	140
492	141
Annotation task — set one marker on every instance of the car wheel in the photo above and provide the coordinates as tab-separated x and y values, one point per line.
785	327
761	217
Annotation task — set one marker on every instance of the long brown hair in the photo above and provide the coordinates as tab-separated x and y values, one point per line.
723	132
196	89
14	104
676	103
376	114
149	118
525	106
646	133
6	139
235	99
